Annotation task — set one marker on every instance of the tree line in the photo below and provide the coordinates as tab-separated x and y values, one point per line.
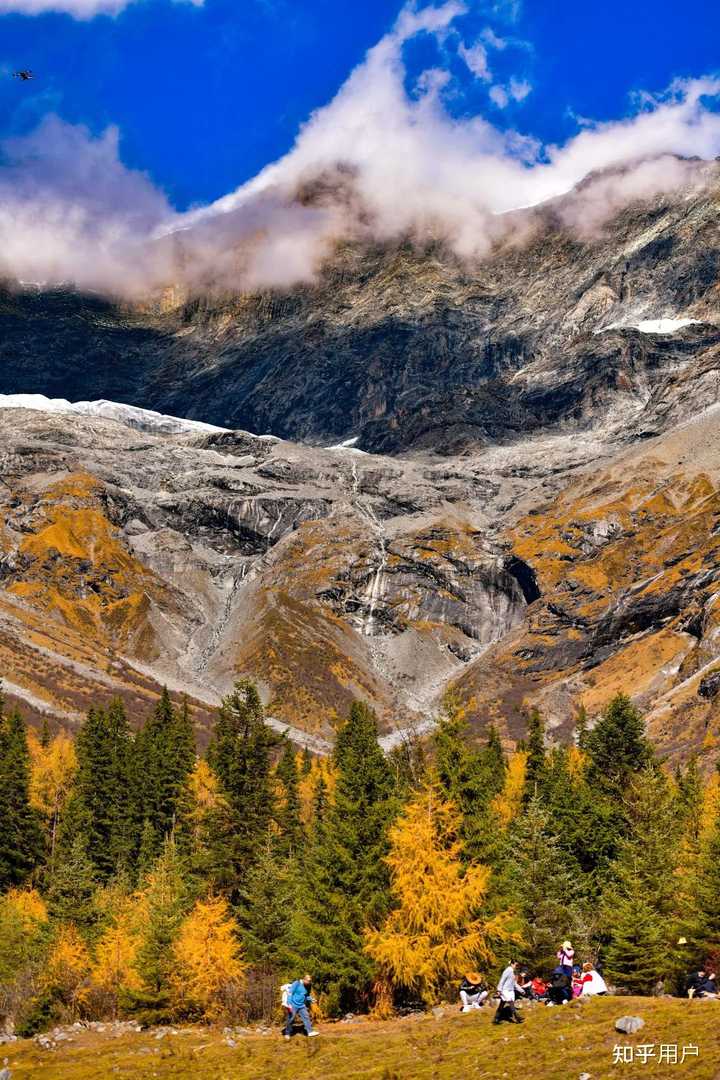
141	879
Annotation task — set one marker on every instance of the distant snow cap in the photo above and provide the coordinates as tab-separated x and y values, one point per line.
142	419
651	326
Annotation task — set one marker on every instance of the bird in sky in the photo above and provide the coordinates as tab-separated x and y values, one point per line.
25	75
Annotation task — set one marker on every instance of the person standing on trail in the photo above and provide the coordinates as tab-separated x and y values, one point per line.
566	958
298	999
506	989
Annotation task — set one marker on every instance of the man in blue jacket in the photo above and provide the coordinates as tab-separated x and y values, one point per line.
298	999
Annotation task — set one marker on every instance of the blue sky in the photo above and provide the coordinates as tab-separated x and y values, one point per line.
205	96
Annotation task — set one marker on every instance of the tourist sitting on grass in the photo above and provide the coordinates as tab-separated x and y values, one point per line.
539	989
524	986
559	991
701	984
473	991
576	982
593	983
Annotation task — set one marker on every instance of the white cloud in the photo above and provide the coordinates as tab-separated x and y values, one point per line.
515	90
476	59
70	210
375	161
519	89
499	96
493	40
79	9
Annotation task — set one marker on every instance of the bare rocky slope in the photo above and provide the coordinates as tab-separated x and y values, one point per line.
409	349
535	517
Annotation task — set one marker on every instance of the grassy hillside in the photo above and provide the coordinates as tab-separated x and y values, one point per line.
553	1043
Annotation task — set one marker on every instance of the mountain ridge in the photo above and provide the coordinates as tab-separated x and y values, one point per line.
453	545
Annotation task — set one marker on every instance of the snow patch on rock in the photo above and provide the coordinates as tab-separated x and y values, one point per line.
651	326
143	419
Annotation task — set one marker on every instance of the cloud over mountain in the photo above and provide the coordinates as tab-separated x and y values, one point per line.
381	159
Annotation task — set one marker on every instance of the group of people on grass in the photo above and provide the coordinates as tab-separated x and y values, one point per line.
568	980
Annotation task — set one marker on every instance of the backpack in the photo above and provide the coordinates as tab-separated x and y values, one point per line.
284	994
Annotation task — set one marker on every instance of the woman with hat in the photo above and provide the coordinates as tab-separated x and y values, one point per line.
566	958
473	991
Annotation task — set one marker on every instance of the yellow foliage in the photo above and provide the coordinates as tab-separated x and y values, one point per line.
576	762
437	930
27	908
209	971
507	804
68	965
320	767
204	787
52	772
115	963
710	804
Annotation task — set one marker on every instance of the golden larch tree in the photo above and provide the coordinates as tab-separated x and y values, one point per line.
508	803
68	966
710	804
437	931
208	974
52	771
27	907
24	930
114	970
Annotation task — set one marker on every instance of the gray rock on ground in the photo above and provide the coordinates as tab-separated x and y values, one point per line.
629	1024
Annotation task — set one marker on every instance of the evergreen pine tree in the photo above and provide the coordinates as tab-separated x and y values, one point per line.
534	745
586	821
540	884
165	899
346	877
21	837
472	779
638	910
164	756
319	808
103	810
150	843
272	890
690	799
240	756
700	923
617	747
72	884
288	815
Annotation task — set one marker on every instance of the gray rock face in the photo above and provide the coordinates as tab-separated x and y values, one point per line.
410	350
195	557
710	686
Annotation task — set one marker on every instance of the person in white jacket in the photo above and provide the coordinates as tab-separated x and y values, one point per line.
507	988
592	982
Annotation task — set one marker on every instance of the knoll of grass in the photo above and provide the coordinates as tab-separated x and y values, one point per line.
553	1043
